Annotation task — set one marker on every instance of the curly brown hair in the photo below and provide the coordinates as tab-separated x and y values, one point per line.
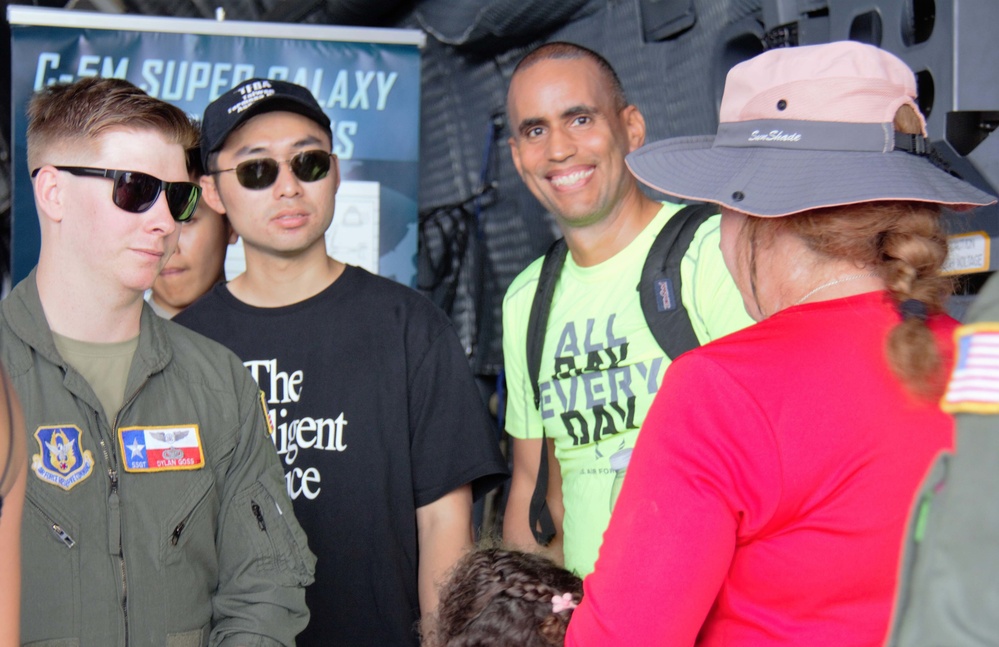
503	598
905	243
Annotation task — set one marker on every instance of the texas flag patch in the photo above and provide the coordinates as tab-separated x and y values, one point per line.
161	449
974	383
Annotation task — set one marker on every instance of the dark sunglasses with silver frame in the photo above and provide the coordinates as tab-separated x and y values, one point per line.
256	174
137	192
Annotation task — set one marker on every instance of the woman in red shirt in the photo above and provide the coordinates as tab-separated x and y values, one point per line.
767	497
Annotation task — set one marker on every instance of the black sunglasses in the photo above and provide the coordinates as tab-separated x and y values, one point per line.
308	166
137	192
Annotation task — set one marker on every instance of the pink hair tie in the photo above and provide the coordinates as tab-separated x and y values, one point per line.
562	603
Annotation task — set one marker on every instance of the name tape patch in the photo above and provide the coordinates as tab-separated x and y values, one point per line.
62	461
161	449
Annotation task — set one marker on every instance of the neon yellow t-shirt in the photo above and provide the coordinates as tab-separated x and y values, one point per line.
601	367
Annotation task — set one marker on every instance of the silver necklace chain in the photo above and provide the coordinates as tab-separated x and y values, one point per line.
842	279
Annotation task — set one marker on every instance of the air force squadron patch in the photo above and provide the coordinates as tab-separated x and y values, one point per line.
161	449
62	461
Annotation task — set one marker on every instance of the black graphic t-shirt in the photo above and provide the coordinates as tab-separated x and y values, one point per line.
375	413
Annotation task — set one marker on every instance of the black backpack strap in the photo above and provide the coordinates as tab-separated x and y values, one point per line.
667	318
539	516
537	324
659	288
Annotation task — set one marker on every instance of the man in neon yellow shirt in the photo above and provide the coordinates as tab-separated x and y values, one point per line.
601	367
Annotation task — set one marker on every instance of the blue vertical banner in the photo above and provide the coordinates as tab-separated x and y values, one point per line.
367	80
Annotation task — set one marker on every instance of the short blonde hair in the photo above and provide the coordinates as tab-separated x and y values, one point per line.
82	111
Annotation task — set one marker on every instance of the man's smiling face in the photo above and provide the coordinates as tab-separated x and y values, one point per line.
570	139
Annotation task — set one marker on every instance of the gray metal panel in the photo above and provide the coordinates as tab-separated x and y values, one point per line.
462	94
494	23
955	57
91	20
975	71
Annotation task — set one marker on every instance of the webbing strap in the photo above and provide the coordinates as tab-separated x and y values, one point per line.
665	314
660	286
539	516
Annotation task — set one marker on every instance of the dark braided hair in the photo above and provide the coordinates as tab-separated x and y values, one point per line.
503	598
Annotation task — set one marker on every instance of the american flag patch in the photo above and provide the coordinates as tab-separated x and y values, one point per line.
974	384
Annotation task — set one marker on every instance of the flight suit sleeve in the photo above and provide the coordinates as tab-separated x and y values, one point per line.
264	559
948	592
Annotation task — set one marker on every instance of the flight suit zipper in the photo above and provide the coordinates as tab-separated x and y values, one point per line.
255	507
175	536
57	530
114	529
63	536
114	502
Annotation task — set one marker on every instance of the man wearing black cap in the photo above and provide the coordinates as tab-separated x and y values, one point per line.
384	438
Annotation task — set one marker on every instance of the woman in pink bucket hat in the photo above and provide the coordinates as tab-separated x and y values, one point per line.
767	497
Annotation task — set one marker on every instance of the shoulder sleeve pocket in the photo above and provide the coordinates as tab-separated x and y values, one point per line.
272	533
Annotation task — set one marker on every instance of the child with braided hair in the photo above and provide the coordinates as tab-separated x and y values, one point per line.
504	598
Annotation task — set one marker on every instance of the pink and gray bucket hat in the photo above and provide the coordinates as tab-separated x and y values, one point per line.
803	128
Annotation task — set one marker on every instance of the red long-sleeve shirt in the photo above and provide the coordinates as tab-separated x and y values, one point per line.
767	497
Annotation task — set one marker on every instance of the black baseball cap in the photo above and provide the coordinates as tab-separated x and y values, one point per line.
251	98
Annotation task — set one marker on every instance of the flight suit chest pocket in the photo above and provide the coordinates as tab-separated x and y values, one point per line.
189	558
51	576
196	638
188	533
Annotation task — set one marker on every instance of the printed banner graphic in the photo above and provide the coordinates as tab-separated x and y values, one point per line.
371	92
